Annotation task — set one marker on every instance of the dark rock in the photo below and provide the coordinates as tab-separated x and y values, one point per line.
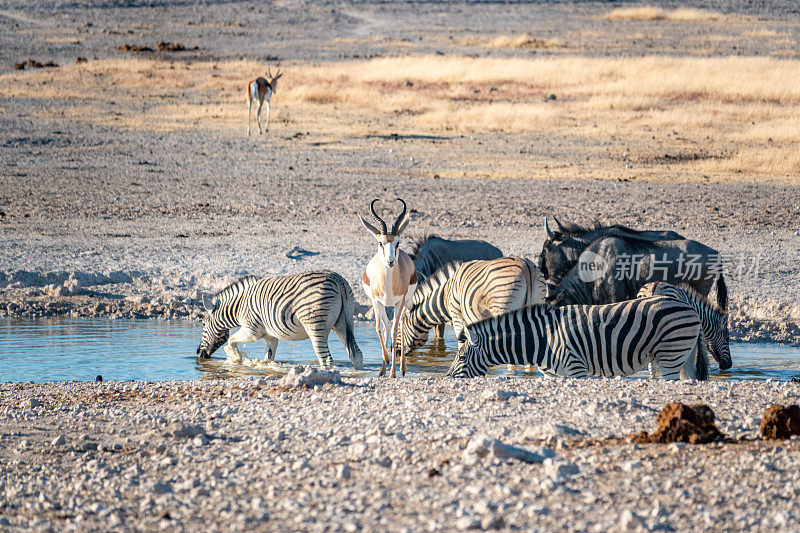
79	60
170	47
98	378
134	48
781	422
678	422
19	66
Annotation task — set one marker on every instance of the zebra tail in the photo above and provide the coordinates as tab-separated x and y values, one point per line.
722	293
701	360
348	309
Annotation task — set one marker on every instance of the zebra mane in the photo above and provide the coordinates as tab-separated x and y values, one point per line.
702	299
417	244
233	289
438	278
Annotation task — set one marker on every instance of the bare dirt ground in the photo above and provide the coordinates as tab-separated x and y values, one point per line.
128	186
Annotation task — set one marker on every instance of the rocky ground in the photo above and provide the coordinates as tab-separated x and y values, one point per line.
399	455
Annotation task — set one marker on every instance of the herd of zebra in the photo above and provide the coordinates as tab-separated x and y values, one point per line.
505	310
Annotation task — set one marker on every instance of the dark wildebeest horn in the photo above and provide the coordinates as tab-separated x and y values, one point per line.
550	233
559	227
378	219
399	220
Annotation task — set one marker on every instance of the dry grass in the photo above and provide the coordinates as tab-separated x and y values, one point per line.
510	41
716	116
657	13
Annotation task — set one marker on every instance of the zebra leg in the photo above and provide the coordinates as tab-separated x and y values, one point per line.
438	332
319	340
272	347
244	335
398	319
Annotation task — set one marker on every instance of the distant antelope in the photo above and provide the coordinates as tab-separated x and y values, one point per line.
389	281
261	89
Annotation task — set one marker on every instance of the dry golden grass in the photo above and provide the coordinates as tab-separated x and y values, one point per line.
510	41
717	116
657	13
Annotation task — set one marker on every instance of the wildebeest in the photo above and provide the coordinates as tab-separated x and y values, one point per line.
430	253
627	260
566	242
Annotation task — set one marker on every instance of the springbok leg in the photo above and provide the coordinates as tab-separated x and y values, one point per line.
384	354
249	114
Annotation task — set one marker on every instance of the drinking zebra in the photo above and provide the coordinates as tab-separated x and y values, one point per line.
713	320
585	340
296	307
465	293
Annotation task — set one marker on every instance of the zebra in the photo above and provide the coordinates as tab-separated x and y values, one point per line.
296	307
585	340
430	253
467	292
714	320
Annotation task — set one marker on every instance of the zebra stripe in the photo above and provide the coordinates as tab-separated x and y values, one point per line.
584	340
296	307
467	292
714	320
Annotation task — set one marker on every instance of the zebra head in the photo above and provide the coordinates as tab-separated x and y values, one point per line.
718	339
427	306
215	334
468	362
388	241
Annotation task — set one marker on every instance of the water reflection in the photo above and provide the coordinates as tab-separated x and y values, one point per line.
80	349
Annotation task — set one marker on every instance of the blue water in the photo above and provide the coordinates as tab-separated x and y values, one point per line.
149	350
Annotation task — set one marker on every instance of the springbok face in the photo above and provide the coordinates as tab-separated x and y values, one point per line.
214	335
388	241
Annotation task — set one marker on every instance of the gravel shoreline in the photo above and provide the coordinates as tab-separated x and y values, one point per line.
379	454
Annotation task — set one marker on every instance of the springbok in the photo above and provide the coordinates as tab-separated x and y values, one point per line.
261	89
389	281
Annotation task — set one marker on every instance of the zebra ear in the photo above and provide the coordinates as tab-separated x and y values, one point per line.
550	233
207	305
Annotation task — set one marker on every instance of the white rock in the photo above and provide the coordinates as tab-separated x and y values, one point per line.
630	521
496	395
555	468
481	446
309	377
343	472
59	441
551	430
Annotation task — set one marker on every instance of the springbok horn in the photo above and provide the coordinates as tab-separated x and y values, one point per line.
397	222
550	233
378	219
269	73
207	305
